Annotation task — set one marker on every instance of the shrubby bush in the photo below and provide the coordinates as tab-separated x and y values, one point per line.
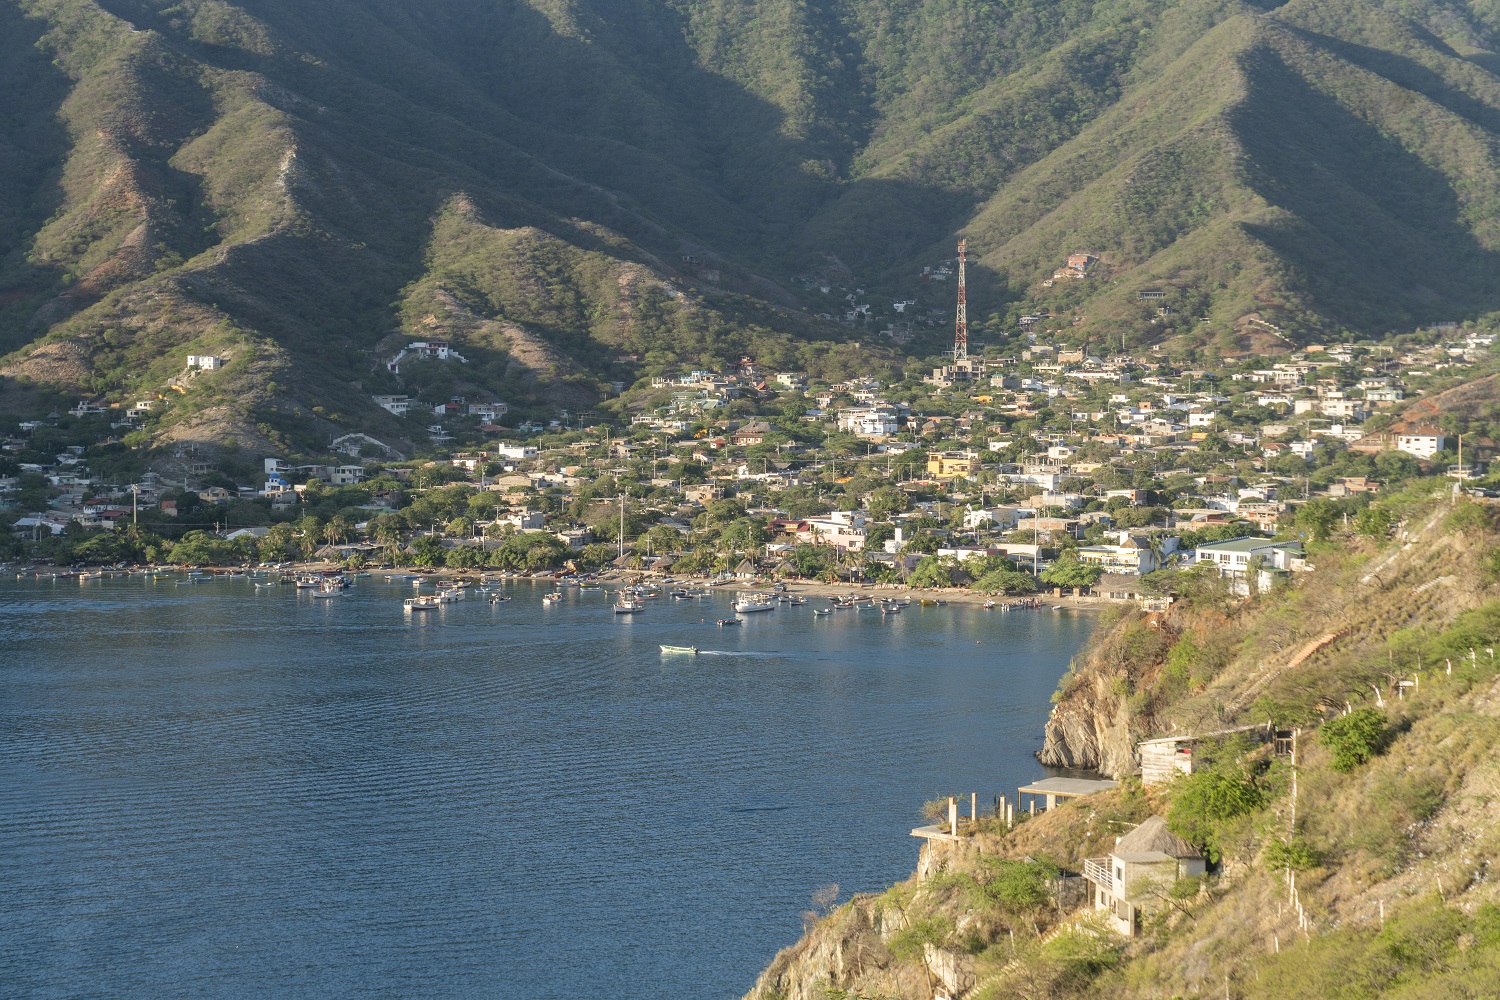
1354	738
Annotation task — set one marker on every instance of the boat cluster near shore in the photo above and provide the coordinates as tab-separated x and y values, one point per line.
628	599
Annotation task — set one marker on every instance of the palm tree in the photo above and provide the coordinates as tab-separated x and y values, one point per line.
1157	547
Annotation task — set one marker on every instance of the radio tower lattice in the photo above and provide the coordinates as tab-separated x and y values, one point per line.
961	326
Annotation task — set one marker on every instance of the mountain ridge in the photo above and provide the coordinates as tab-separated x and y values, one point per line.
260	174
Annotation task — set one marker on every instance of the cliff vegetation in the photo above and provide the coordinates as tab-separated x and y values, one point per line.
1360	868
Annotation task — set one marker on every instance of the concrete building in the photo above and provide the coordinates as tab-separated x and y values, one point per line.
952	464
1133	879
1423	443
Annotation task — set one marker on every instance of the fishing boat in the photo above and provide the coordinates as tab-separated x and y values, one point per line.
684	650
890	609
419	603
799	600
730	621
629	605
820	612
551	598
988	605
744	603
308	583
498	598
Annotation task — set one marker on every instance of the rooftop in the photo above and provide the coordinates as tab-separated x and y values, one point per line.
1068	787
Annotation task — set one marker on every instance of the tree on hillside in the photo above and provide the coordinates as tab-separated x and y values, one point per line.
1067	571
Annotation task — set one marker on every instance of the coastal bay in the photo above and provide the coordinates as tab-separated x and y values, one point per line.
238	792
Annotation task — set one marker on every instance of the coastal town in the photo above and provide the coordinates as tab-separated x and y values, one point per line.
1050	469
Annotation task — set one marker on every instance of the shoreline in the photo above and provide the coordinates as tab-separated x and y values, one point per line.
804	588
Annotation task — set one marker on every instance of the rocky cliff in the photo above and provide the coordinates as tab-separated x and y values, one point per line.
1321	880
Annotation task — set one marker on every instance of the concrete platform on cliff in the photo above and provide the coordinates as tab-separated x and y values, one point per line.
1067	788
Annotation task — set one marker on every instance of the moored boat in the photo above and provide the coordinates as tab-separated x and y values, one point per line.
754	602
684	650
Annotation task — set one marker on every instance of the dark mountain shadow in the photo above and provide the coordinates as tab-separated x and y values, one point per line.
33	144
1409	73
1377	238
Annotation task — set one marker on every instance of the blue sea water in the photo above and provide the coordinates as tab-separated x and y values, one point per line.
218	791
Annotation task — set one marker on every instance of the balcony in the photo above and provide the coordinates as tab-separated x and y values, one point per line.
1099	872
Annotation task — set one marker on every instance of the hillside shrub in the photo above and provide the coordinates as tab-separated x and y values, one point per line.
1296	854
1355	738
1469	518
1206	802
1016	885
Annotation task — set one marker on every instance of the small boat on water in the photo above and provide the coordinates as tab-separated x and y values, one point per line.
988	605
629	605
551	598
730	621
798	600
498	598
744	603
820	612
308	583
683	650
420	603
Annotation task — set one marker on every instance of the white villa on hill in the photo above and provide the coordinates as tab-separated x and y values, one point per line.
1134	878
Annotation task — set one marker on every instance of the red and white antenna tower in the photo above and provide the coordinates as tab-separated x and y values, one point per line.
961	327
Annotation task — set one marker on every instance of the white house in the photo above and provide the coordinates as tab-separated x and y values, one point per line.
1000	518
437	350
1131	555
1136	876
1304	449
842	529
1233	559
205	362
1425	443
394	404
868	421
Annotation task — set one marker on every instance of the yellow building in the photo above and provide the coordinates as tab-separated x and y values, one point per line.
951	464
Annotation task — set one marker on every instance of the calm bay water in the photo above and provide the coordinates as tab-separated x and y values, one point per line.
216	791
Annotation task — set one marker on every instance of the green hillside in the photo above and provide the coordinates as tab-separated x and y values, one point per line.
1357	868
564	185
